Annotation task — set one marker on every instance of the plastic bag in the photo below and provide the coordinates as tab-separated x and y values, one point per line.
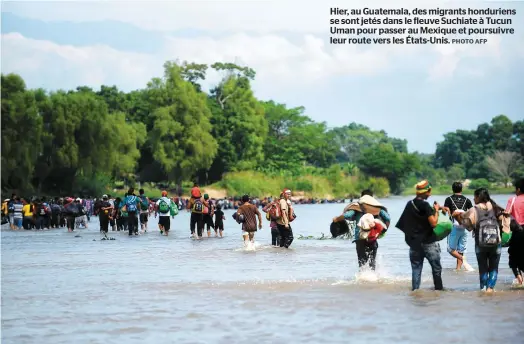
443	227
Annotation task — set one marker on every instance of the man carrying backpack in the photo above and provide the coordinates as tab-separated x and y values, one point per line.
144	210
458	238
196	206
284	220
165	208
131	203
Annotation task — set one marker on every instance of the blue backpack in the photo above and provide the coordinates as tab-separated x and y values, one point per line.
131	203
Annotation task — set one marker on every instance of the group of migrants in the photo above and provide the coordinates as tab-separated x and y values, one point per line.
425	224
40	214
422	223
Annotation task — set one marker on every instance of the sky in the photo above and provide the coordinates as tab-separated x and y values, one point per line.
413	92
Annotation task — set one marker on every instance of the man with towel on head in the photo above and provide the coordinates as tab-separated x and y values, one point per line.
366	247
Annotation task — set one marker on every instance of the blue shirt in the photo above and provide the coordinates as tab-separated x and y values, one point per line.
352	215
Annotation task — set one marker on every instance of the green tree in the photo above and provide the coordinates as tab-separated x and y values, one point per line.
383	161
21	133
238	122
180	139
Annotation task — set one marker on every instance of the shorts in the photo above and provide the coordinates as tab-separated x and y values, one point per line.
144	217
17	222
457	240
165	222
219	225
11	218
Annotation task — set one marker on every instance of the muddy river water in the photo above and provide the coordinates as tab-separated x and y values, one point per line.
60	288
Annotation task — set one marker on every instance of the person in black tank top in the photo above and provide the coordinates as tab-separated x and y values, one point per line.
458	238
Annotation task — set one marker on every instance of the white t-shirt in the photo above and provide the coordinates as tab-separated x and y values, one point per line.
168	201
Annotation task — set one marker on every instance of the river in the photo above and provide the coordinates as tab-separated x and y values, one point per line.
58	288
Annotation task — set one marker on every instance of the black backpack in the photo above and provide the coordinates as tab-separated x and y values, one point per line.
42	210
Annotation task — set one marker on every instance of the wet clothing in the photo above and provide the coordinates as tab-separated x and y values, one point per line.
198	221
219	220
366	251
286	235
275	237
416	256
208	218
421	240
165	222
488	258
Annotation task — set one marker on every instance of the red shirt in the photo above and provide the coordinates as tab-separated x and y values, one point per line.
515	207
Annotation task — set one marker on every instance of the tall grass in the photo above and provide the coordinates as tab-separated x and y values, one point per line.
258	184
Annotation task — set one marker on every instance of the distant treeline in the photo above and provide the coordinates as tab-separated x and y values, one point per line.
84	141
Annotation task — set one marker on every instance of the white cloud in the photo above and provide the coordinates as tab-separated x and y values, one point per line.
54	64
274	57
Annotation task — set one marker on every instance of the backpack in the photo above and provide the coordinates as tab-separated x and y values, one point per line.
163	207
131	204
488	231
198	207
274	213
55	209
144	203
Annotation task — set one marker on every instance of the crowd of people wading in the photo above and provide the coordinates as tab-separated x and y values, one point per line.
424	225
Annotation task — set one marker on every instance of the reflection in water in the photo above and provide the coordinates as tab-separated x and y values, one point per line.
58	288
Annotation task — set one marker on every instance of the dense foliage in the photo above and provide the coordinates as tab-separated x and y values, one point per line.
85	140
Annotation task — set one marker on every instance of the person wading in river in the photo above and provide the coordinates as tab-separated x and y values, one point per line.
287	215
249	226
132	203
458	239
366	249
417	222
487	220
515	208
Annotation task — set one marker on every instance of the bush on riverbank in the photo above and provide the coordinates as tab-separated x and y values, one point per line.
259	184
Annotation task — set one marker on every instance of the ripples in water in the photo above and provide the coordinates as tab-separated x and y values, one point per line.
58	288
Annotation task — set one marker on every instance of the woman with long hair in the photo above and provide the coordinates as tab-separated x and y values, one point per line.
486	219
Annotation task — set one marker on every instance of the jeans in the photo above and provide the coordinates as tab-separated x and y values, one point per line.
488	260
366	253
432	253
286	236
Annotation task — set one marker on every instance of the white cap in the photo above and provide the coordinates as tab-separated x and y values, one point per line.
104	196
78	199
